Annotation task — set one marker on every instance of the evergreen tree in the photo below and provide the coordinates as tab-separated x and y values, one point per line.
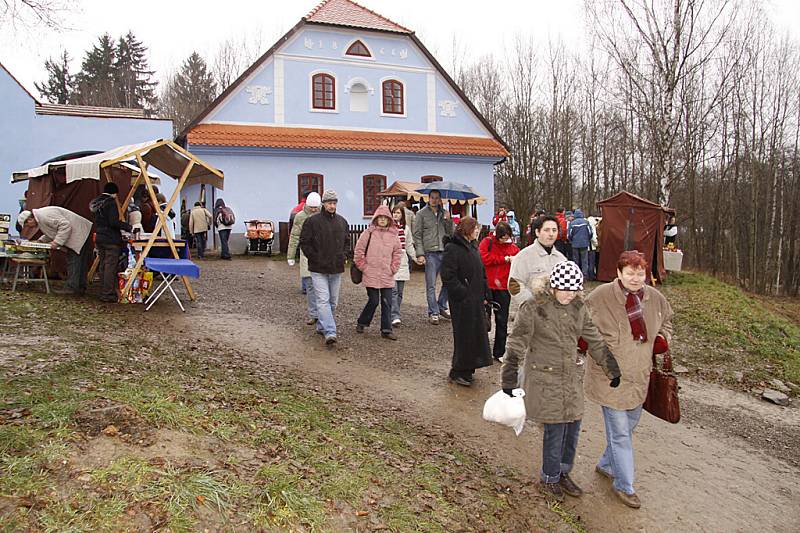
94	85
59	85
188	92
133	86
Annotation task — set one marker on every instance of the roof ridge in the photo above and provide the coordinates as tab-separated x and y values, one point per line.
322	4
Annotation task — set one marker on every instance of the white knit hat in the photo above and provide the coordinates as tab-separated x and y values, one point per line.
23	216
566	276
313	200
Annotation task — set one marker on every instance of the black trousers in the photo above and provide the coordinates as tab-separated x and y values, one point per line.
109	267
500	322
375	296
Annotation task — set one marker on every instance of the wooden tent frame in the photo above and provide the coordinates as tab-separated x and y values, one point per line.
144	178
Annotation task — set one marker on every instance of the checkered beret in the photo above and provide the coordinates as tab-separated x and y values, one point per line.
566	276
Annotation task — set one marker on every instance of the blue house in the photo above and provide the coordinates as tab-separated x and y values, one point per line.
345	100
32	132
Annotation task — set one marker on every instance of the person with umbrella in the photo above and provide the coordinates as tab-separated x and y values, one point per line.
431	225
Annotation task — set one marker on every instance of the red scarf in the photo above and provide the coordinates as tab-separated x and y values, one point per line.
633	306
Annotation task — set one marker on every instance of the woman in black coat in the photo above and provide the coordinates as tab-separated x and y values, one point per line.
465	278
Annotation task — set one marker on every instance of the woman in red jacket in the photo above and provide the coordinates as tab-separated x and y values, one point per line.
497	249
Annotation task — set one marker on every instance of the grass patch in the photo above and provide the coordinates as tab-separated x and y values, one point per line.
721	328
278	456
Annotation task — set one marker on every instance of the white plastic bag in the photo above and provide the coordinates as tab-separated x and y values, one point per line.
503	409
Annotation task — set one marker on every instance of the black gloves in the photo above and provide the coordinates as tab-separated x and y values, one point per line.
509	392
614	382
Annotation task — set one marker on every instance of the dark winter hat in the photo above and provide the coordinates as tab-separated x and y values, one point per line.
110	188
566	276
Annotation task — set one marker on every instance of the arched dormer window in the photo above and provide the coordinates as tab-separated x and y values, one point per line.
393	97
323	91
359	49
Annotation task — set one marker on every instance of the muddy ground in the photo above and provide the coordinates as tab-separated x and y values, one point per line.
732	464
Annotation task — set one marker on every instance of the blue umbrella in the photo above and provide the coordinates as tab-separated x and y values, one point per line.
450	190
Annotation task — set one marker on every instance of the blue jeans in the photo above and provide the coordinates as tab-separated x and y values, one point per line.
559	443
397	299
311	298
326	291
617	459
581	257
200	243
433	265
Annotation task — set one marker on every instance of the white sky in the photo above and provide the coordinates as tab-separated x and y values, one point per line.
172	30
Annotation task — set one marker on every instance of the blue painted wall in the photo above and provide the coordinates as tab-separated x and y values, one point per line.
261	183
28	139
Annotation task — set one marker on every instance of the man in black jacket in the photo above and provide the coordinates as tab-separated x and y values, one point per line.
108	238
325	242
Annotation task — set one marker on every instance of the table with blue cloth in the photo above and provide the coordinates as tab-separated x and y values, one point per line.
170	270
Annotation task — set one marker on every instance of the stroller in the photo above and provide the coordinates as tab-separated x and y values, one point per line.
260	236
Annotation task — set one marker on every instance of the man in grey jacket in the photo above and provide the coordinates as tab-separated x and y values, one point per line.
68	231
431	225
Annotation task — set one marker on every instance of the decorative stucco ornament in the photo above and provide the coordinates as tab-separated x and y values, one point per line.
259	94
448	108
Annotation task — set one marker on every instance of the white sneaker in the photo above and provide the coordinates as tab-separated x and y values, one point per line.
396	322
434	319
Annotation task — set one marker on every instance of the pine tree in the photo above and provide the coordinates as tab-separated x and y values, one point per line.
133	86
94	85
188	92
59	85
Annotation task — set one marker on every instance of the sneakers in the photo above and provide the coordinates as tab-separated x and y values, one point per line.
569	487
444	313
311	321
389	335
396	322
434	319
330	340
460	381
631	500
607	475
551	491
359	328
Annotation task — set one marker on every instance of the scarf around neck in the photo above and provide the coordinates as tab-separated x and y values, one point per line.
633	306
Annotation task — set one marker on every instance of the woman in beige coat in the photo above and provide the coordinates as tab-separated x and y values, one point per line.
544	340
630	315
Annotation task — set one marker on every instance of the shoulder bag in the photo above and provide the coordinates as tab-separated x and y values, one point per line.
662	393
355	274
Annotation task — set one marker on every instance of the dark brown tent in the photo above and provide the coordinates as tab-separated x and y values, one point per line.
52	189
631	223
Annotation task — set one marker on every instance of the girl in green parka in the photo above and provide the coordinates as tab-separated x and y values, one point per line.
544	339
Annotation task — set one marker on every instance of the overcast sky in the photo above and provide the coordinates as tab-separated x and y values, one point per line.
172	30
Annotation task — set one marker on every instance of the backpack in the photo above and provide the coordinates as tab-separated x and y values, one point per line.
226	216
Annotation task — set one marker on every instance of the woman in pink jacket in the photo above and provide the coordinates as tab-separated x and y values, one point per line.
377	256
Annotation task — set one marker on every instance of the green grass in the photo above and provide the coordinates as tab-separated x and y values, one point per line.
722	329
281	456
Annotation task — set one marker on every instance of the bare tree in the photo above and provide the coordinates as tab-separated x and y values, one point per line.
32	13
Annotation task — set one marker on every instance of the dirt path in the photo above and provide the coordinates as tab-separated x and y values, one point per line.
699	475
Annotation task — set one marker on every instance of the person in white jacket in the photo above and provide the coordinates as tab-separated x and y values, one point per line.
64	230
403	225
535	261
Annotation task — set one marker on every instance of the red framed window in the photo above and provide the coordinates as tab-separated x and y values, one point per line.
307	183
393	97
358	49
324	89
373	184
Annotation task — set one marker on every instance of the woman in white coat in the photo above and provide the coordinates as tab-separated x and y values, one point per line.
404	273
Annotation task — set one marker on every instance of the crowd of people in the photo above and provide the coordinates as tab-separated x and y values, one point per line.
530	282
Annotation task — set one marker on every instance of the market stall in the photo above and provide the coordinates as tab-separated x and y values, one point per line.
165	156
410	191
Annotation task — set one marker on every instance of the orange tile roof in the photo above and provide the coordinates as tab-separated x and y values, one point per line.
349	13
348	140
